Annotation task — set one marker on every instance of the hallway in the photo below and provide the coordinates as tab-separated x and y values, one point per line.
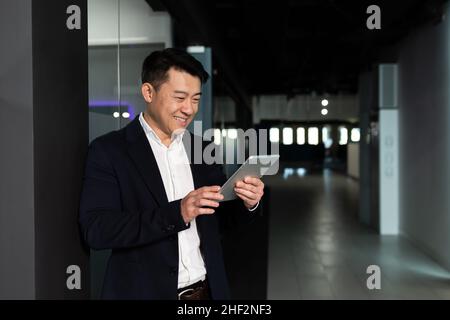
319	250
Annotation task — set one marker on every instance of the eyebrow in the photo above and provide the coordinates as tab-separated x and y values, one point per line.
186	93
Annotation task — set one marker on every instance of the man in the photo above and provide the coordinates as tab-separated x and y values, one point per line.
159	213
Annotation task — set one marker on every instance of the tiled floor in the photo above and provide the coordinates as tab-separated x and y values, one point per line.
319	250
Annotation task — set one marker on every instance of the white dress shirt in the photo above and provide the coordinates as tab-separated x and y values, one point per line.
175	170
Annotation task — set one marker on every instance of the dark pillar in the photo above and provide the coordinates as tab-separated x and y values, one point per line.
44	139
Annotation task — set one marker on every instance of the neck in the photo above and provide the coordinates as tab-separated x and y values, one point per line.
164	137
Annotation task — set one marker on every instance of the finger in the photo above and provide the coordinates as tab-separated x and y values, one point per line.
251	188
209	189
206	203
201	190
254	181
211	195
246	199
241	183
247	186
205	211
250	181
246	193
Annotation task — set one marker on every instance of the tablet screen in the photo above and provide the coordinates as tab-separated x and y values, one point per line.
254	166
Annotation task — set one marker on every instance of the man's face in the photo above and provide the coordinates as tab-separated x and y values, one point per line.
175	103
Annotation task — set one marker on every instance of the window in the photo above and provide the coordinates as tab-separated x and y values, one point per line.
288	136
274	135
313	136
301	136
355	135
217	136
326	137
343	136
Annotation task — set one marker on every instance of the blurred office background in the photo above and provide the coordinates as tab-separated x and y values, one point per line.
361	118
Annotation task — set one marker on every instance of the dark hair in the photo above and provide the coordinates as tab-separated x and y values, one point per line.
158	63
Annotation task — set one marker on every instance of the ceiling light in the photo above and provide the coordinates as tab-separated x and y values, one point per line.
196	49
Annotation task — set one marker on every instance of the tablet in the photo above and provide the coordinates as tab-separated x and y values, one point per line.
255	166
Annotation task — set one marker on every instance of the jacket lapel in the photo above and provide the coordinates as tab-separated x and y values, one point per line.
142	155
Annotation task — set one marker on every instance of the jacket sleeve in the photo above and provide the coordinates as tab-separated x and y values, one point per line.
105	225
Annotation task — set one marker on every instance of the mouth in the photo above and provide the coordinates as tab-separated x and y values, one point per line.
181	120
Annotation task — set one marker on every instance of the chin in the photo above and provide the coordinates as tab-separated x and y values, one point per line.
178	128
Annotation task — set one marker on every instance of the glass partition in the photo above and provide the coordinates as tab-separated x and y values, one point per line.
121	33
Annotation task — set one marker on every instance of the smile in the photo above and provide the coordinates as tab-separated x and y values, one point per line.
180	119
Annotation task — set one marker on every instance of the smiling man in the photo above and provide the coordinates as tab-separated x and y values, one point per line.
159	213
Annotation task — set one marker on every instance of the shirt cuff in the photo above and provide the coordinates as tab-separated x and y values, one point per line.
254	208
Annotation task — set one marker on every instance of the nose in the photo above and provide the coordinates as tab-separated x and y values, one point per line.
187	108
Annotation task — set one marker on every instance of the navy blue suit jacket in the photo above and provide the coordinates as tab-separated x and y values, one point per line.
124	207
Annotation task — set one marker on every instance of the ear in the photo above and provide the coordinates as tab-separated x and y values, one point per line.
148	92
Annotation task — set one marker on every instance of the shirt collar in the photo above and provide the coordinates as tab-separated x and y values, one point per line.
149	132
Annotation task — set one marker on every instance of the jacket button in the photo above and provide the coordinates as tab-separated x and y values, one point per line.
173	271
170	227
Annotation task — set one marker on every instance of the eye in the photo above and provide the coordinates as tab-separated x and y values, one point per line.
196	101
179	98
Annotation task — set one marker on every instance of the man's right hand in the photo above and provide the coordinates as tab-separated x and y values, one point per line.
195	202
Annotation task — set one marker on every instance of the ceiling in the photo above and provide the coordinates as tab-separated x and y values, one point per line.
294	46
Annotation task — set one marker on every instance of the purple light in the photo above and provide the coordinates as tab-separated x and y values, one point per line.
113	104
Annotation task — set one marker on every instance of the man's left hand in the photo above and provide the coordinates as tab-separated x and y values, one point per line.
250	190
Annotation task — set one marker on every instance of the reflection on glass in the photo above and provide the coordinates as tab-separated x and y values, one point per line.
288	172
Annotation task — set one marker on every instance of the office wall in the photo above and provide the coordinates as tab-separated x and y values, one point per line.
424	139
16	160
139	24
305	108
353	160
